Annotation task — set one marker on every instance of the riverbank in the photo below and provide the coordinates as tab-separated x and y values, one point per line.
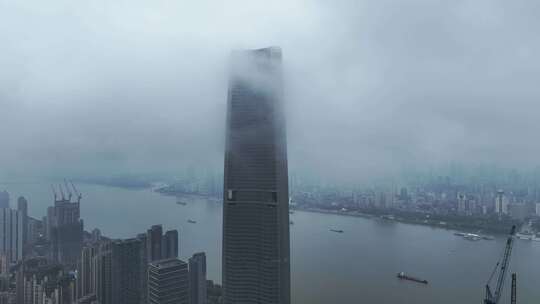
416	219
483	225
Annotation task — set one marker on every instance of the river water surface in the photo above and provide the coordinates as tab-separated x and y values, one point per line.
357	266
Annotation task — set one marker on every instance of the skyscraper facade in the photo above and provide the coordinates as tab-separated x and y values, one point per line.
126	271
22	207
501	203
119	276
161	246
65	230
87	271
197	278
168	282
170	244
11	234
256	266
154	243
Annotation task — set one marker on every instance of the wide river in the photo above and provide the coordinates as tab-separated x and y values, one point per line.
357	266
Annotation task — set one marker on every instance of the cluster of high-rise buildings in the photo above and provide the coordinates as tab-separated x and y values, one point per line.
143	269
439	199
63	264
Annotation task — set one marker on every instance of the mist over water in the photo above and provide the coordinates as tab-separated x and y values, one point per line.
371	87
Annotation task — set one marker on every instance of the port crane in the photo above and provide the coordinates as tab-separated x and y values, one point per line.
494	297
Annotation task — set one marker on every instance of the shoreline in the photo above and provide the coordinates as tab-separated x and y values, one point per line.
447	226
441	224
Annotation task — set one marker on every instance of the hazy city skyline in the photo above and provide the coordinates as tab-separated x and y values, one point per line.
374	86
279	152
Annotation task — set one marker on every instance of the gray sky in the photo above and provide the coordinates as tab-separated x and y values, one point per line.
372	86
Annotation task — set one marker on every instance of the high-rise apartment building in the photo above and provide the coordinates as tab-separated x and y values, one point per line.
161	246
170	244
197	278
87	272
154	243
11	234
22	207
256	266
119	275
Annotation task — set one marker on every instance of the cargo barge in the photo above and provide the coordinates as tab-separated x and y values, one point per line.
403	276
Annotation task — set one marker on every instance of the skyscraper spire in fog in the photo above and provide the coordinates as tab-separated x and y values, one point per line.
256	265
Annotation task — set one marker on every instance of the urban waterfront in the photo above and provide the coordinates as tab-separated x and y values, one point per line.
360	263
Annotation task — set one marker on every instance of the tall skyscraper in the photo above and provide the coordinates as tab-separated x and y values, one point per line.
126	271
11	234
86	272
119	275
256	266
22	207
197	278
161	246
168	282
143	238
104	284
154	243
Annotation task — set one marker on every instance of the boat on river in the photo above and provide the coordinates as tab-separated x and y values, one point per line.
192	221
337	230
471	237
404	276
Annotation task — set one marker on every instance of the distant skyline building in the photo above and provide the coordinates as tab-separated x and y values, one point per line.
4	199
86	272
168	282
11	234
256	266
501	203
197	279
161	246
65	228
22	207
461	202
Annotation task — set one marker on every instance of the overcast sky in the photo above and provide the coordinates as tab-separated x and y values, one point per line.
371	86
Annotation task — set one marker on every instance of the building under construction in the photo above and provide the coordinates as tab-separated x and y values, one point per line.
64	225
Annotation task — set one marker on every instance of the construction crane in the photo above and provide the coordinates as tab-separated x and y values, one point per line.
70	194
494	297
62	192
54	192
77	193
